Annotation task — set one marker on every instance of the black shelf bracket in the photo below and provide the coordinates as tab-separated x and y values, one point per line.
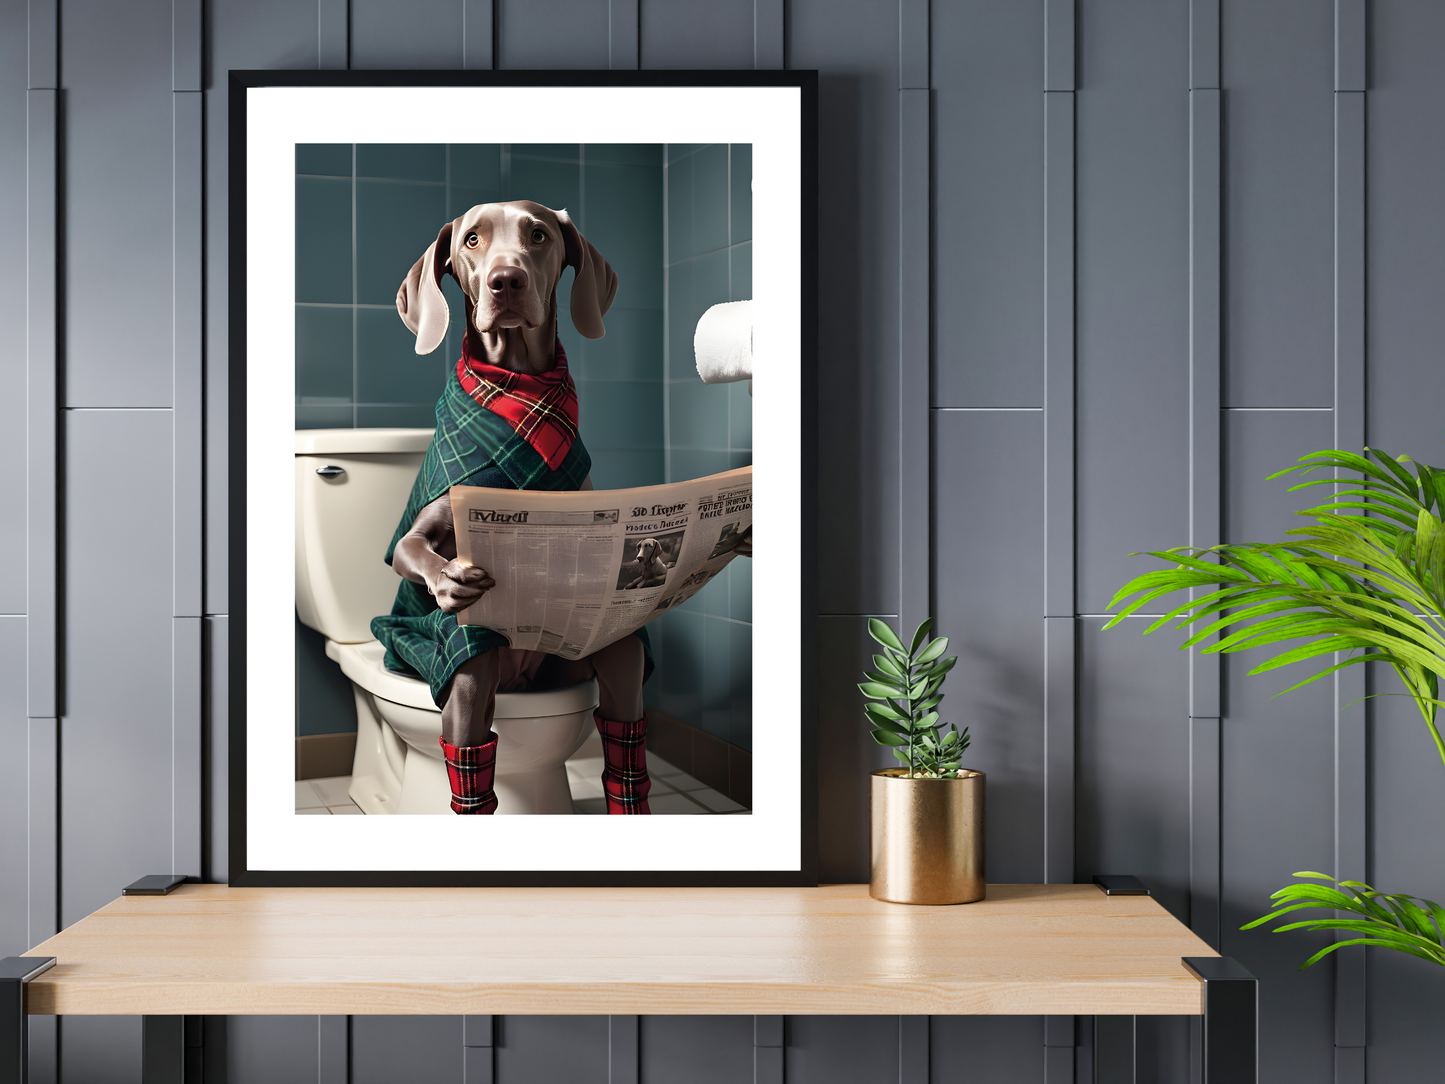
156	884
1231	1020
15	972
1120	884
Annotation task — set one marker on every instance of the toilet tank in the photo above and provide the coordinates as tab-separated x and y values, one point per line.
344	521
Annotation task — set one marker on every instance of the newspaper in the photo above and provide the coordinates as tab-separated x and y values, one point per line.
577	570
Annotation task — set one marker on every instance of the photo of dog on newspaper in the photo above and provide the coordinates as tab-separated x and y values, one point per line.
533	493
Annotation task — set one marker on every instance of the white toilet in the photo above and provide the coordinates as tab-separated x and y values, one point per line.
351	487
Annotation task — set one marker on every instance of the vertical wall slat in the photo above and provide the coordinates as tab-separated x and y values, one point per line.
43	45
624	30
1059	433
187	443
914	297
913	362
43	846
622	1050
1350	54
1060	19
1204	45
186	47
1059	354
333	35
768	35
1204	361
1351	767
42	362
768	1049
913	1060
333	1050
1205	452
187	770
478	46
187	270
42	418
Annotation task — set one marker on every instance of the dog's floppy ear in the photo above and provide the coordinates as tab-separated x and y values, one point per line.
594	284
420	302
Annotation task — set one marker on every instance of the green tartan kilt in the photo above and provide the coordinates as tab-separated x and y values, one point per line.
432	645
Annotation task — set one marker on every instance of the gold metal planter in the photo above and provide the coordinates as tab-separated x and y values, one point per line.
927	838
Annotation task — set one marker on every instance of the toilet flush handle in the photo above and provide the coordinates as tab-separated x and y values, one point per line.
330	472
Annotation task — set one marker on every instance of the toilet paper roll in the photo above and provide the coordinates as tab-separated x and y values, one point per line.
723	344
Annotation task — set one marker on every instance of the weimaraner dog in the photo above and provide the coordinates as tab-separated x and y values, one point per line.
508	259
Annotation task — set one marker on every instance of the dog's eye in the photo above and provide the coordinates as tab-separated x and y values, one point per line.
471	240
538	236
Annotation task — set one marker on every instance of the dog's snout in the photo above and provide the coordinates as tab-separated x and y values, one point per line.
507	278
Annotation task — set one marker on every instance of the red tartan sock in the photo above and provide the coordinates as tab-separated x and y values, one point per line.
470	769
624	780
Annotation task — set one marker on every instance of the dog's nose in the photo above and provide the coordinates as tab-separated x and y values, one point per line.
503	279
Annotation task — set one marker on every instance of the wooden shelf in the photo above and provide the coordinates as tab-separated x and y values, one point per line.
208	949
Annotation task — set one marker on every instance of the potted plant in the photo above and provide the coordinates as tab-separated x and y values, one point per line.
1366	577
926	817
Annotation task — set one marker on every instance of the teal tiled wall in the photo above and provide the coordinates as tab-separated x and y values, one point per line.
364	215
704	647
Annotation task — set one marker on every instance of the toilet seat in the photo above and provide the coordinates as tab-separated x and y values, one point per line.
363	664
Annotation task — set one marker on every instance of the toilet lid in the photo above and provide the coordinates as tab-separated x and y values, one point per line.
363	664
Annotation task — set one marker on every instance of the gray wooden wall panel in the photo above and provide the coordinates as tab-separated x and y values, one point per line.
846	751
697	1049
13	72
1134	758
100	1050
1278	74
1404	1043
857	290
215	646
239	34
544	1049
552	33
386	1049
1406	239
429	37
271	1050
988	186
1272	827
14	796
986	1048
117	259
827	1049
997	689
1133	290
116	752
697	34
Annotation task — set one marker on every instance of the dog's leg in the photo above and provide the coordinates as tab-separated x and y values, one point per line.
622	723
468	744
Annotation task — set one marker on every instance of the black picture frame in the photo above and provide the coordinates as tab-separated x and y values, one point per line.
242	872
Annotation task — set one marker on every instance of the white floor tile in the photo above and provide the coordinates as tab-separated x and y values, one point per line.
585	786
314	811
683	781
673	805
350	809
718	803
588	807
306	796
333	789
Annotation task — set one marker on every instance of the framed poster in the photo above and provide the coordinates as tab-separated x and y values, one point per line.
505	409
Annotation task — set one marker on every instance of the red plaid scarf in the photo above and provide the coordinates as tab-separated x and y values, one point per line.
542	409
